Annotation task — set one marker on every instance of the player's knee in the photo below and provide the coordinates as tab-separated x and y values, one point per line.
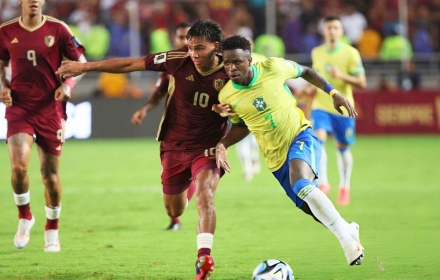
302	188
174	213
19	171
50	181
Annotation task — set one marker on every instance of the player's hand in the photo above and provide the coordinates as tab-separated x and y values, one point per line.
63	93
138	116
339	100
5	97
69	69
335	72
222	109
221	157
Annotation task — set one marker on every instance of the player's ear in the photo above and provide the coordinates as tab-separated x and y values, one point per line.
216	46
250	61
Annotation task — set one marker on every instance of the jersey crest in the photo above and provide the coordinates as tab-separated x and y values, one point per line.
49	40
259	103
218	84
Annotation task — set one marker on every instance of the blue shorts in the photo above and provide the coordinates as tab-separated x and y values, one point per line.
305	147
343	128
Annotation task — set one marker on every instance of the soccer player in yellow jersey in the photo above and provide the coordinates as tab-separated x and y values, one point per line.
247	149
260	102
341	65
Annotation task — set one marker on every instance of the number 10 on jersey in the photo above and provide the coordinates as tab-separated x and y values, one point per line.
201	99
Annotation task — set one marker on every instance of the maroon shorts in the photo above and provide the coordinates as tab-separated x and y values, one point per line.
49	133
180	168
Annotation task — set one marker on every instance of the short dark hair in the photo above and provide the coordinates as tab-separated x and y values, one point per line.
208	29
184	24
331	18
236	42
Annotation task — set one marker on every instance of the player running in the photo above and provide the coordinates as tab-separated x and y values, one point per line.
161	91
35	100
189	129
263	104
340	64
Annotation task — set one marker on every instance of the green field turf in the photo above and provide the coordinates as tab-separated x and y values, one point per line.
112	221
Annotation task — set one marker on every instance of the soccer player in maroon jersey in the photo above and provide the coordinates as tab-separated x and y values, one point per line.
35	100
161	90
189	130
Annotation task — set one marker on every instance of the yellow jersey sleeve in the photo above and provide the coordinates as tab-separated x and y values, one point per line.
355	66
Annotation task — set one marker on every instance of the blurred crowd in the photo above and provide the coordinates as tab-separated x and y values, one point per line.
372	26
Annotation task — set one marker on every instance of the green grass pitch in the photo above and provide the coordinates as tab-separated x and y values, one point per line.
112	221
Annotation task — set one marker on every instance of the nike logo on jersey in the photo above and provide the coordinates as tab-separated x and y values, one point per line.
236	104
15	41
190	78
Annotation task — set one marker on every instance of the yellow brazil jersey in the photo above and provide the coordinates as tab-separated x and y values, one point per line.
348	60
268	108
256	57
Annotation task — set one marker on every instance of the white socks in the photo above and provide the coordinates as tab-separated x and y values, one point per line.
345	167
53	213
323	178
325	212
205	240
22	199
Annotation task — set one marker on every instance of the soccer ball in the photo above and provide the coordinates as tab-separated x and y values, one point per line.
273	270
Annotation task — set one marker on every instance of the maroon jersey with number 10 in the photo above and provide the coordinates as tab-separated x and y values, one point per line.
35	54
188	123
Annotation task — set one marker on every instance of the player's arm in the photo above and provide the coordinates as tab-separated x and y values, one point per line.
151	103
5	91
116	65
235	135
358	81
64	92
317	80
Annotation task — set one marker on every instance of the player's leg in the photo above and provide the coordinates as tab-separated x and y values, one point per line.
206	176
322	125
297	176
49	166
177	186
244	151
50	140
344	131
19	145
255	152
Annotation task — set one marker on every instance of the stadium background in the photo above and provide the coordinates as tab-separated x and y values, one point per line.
113	219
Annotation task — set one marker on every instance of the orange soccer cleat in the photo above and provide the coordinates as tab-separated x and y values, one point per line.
344	196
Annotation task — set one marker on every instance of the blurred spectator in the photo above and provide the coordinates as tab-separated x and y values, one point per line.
310	15
160	41
9	9
290	25
240	18
310	39
409	78
117	86
369	44
258	9
270	45
424	27
385	84
396	46
120	31
353	22
94	37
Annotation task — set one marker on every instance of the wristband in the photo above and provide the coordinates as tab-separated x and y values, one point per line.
70	83
332	92
328	88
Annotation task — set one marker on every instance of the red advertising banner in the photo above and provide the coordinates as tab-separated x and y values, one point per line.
397	113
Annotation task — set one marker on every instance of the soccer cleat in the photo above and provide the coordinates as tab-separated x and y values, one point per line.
174	226
325	188
51	241
344	196
356	227
22	236
354	252
204	267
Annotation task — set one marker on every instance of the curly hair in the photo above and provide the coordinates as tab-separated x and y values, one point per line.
236	42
